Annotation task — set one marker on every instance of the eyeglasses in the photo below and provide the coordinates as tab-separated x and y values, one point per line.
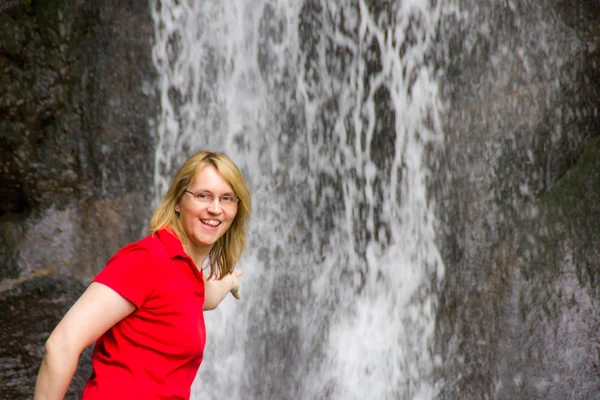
227	200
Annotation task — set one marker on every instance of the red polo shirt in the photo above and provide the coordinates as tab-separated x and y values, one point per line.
155	352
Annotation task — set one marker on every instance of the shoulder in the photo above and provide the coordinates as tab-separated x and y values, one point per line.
154	254
147	254
135	270
150	246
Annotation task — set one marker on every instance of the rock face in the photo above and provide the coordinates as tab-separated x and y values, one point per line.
30	311
535	301
74	137
519	309
75	162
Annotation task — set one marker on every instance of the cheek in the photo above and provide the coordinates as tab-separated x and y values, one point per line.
232	219
187	216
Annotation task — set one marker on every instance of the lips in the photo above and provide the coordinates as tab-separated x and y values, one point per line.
210	222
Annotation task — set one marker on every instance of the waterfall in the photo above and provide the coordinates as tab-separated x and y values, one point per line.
332	111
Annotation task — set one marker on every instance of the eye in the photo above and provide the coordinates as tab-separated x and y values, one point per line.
204	196
227	198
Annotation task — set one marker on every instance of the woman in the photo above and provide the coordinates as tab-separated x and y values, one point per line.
144	309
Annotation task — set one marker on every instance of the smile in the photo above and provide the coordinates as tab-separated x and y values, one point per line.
210	222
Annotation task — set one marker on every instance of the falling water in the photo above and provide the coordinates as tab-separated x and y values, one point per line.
331	108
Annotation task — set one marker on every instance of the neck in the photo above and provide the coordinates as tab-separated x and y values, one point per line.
197	254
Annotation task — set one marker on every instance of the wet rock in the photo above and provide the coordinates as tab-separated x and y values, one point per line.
519	310
74	115
30	311
527	327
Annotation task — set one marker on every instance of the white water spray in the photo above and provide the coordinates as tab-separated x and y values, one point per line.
329	108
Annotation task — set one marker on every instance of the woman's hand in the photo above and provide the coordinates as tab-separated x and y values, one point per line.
215	289
235	285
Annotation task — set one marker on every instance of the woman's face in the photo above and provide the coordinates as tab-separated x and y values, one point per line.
205	222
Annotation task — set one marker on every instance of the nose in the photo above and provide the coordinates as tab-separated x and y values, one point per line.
215	205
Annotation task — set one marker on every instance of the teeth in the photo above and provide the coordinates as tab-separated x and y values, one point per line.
211	222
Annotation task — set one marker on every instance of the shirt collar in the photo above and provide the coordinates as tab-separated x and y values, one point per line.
172	244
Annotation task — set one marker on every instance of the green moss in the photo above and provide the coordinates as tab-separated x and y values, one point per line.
571	211
13	34
50	12
578	190
27	6
9	266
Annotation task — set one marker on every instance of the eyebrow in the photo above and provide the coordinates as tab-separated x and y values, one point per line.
208	191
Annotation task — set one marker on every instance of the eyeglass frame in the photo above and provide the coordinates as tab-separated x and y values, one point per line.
211	198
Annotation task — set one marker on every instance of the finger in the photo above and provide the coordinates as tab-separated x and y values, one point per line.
238	272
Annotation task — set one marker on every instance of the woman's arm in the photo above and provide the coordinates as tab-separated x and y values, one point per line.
216	290
96	311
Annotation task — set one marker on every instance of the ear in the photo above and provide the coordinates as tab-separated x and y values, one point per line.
177	207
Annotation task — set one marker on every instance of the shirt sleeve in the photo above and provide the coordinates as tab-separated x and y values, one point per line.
129	273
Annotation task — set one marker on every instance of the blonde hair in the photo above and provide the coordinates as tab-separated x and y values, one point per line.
227	251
